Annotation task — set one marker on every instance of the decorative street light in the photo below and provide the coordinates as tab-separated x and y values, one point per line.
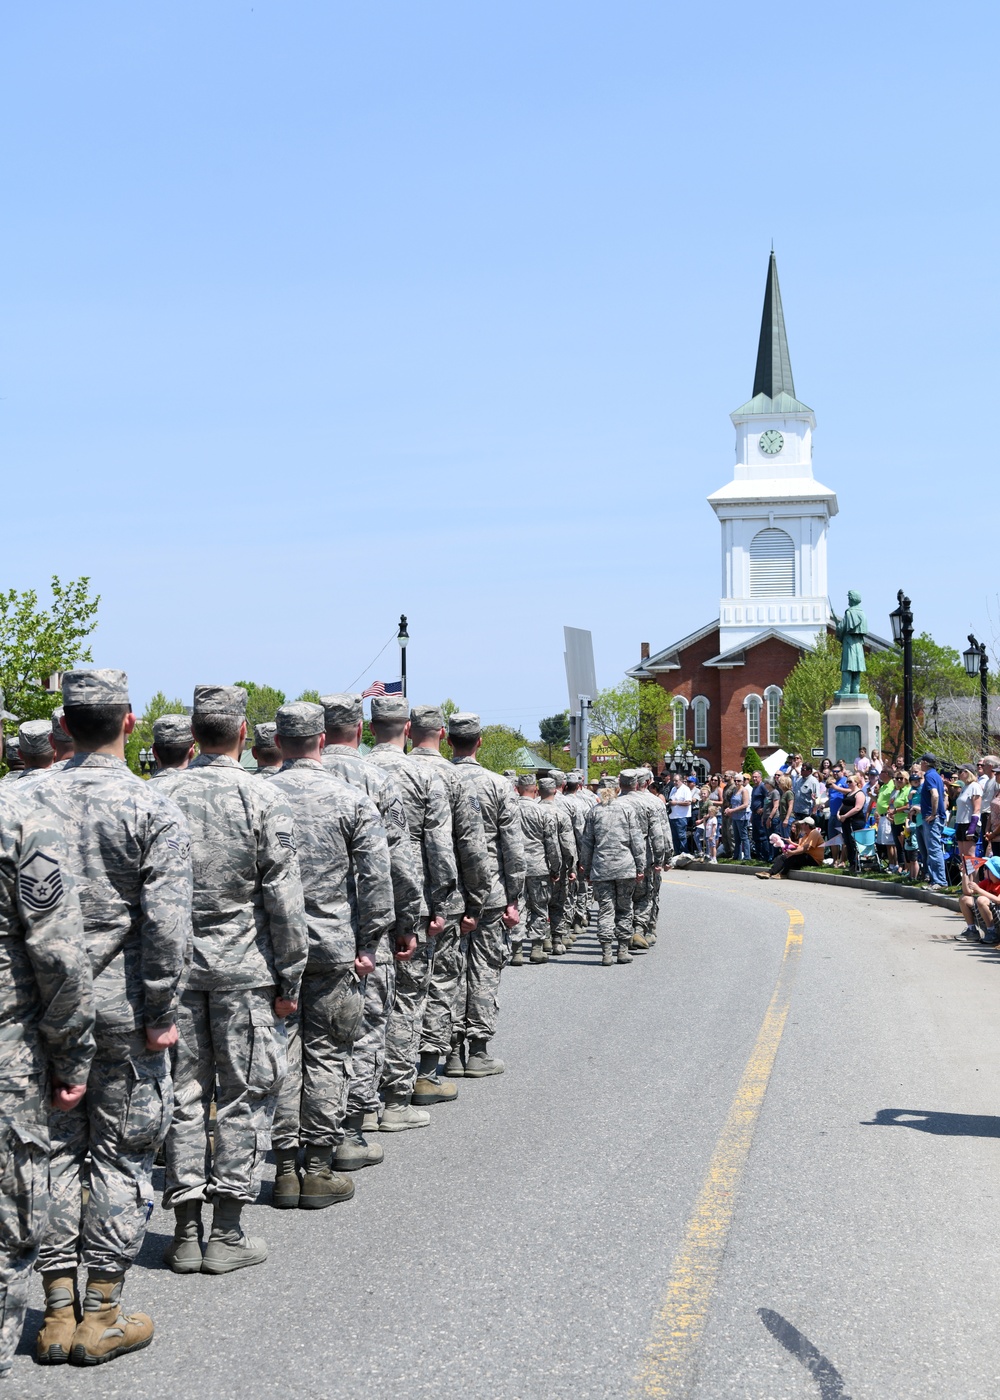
976	659
402	637
902	634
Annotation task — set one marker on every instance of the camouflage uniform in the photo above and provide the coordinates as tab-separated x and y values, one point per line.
347	883
613	853
562	900
543	858
578	807
474	884
46	1031
662	848
477	1004
129	849
428	817
651	827
249	946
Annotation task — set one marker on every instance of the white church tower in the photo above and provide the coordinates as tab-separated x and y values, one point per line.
774	513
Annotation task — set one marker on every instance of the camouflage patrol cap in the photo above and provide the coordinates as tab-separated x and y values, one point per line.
463	724
95	687
546	787
607	780
300	720
560	777
427	717
343	711
58	733
172	730
220	700
34	736
386	708
263	734
632	773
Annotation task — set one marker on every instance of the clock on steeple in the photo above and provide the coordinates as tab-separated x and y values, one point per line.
771	442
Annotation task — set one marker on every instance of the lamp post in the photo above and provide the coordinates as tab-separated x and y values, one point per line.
402	637
902	633
975	659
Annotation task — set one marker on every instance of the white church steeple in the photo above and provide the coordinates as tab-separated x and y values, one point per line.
774	513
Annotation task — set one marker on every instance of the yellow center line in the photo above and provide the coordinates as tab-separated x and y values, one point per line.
671	1352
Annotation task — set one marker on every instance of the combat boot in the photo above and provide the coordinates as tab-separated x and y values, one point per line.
454	1065
321	1185
429	1086
547	943
400	1115
558	948
479	1064
369	1123
639	942
62	1313
624	956
105	1331
356	1151
183	1253
517	957
286	1179
607	957
537	952
228	1247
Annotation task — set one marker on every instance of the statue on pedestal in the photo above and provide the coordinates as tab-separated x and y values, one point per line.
852	629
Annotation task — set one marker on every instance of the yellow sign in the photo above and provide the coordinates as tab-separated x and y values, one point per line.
602	752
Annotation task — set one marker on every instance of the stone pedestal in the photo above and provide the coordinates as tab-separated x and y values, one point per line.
849	725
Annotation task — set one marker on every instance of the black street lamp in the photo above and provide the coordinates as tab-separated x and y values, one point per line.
902	633
976	659
402	637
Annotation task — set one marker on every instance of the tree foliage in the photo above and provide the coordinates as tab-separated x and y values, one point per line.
807	692
263	702
312	695
630	717
554	731
752	763
499	747
36	642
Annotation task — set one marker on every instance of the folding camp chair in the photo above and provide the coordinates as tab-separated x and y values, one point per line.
868	854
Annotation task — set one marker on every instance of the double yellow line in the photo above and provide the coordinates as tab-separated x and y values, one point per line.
671	1351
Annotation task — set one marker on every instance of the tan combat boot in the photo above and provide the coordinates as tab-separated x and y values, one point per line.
62	1313
454	1065
624	956
429	1086
638	942
480	1063
607	957
538	953
356	1151
286	1179
105	1331
517	957
321	1185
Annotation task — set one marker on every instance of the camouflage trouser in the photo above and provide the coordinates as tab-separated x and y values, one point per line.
562	902
447	975
614	911
654	917
368	1056
534	907
402	1034
120	1122
233	1038
477	1004
312	1101
642	902
24	1199
584	894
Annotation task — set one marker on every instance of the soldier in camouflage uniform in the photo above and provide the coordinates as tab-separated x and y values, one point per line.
130	853
347	881
62	744
35	749
173	743
613	854
648	820
265	751
249	954
344	725
578	804
428	819
564	889
46	1039
477	1001
659	817
543	864
475	881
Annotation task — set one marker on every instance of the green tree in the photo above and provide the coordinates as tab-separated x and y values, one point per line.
263	702
938	676
312	695
630	716
500	746
751	762
35	643
554	731
807	692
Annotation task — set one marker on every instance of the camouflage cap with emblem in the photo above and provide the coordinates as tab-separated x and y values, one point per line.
388	709
546	787
428	719
300	720
220	700
34	737
263	734
343	711
172	730
58	733
99	686
463	724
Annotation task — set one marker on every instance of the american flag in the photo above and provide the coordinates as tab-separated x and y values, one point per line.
383	688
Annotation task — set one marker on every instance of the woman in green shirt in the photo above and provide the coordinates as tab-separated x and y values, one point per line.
899	804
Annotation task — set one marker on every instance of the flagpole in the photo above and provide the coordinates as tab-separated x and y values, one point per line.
403	637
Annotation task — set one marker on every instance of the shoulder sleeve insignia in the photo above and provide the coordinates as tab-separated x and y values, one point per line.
396	814
286	839
183	848
41	882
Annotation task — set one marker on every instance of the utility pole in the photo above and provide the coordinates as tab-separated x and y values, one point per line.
402	638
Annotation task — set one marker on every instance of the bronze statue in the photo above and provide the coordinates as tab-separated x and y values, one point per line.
852	629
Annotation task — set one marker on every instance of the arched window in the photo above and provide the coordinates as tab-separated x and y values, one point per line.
753	704
700	708
680	706
772	565
772	699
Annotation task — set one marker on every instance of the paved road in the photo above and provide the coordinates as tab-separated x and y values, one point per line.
524	1244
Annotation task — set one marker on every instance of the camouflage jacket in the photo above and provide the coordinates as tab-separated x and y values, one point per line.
542	852
46	991
566	831
661	815
578	807
428	819
344	857
649	824
131	857
346	763
472	857
270	770
249	920
614	846
504	842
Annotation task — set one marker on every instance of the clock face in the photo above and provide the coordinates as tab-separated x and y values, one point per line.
771	442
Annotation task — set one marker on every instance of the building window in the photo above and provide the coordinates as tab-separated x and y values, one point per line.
680	721
752	705
772	698
772	565
700	708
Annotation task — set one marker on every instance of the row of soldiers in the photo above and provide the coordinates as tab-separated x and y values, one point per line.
297	955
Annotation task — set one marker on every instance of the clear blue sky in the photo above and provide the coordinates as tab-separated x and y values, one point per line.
315	313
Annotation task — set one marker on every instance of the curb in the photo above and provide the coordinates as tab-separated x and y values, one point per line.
852	882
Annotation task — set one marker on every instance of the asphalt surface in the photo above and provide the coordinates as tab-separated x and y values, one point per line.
520	1247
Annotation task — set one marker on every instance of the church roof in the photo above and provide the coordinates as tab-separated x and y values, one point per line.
773	386
781	490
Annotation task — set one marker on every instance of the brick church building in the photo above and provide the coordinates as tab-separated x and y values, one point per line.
727	678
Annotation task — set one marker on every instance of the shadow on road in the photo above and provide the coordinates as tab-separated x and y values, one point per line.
944	1124
823	1372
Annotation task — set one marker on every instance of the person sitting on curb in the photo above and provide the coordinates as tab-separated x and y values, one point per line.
807	846
982	890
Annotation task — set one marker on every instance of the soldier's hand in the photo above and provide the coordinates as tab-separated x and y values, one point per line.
572	874
511	916
284	1006
406	946
364	963
161	1039
468	923
67	1096
435	926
